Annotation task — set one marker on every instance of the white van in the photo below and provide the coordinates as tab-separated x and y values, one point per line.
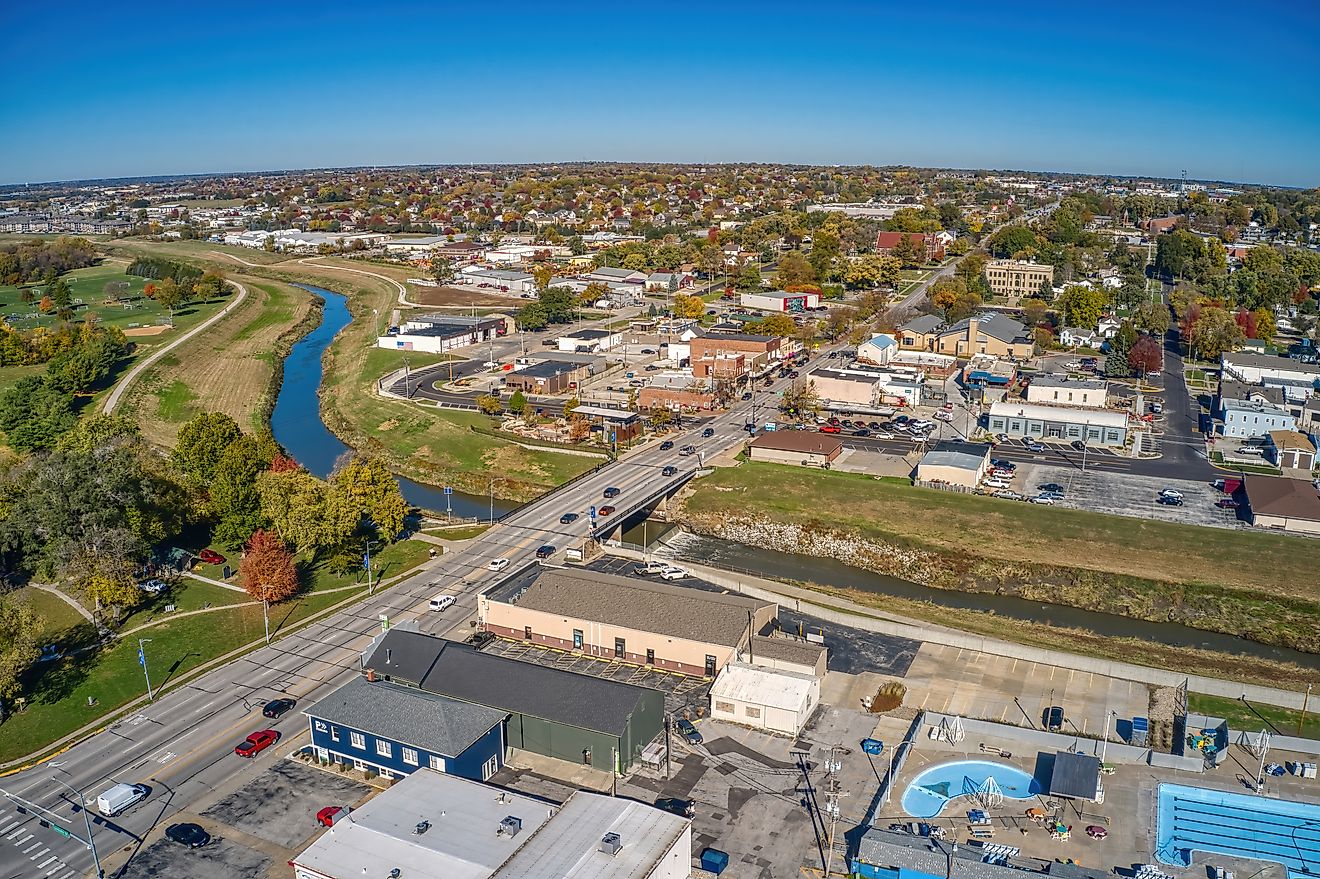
442	602
119	798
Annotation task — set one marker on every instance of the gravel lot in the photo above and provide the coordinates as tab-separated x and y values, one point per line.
280	805
221	859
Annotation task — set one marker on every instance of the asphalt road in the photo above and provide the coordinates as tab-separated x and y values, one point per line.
182	745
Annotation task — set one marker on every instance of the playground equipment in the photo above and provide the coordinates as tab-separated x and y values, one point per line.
1204	742
989	794
950	730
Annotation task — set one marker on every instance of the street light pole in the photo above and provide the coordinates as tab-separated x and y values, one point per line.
142	659
91	843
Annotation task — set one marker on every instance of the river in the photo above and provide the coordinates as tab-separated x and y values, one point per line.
297	425
828	572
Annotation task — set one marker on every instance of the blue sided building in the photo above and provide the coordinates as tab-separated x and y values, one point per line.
396	729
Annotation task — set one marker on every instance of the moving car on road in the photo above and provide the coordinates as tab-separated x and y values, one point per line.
687	450
120	797
257	742
708	433
442	603
605	510
497	564
276	707
666	446
568	518
611	492
545	552
669	470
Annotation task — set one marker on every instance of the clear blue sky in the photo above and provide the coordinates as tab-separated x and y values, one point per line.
1224	90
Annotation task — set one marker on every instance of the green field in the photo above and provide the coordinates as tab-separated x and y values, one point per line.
57	615
87	287
1255	717
57	692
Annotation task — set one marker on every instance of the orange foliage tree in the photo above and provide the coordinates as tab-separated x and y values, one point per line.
267	572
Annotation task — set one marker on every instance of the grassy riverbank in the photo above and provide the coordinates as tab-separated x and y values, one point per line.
1260	586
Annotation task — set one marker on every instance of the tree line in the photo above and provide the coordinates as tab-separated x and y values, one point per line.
27	262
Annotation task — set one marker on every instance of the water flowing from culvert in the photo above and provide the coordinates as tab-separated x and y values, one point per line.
297	425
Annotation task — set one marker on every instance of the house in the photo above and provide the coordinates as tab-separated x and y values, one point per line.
918	334
547	377
1283	503
438	333
954	463
1310	418
664	282
1232	389
1055	389
1015	279
878	350
434	826
552	712
802	447
590	341
1291	450
931	246
1096	427
396	730
623	619
779	301
762	698
1252	418
1075	337
986	333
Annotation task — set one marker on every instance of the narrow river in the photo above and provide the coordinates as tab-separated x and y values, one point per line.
828	572
297	425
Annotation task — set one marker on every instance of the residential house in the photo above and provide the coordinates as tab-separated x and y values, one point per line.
664	282
1076	337
1250	418
919	334
877	350
1291	450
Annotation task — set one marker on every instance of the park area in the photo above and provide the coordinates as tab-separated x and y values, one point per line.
189	625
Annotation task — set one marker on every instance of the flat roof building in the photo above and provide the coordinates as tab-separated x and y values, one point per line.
803	447
1054	389
764	698
1097	427
1015	279
954	463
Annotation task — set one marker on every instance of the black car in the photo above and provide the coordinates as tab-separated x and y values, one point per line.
1052	718
1079	445
682	808
276	707
1002	464
480	639
863	431
669	470
568	518
545	552
611	492
708	433
666	446
747	395
1169	501
688	731
191	835
1051	486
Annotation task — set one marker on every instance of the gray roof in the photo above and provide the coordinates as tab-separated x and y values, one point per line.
676	611
1232	389
408	716
1075	775
404	655
992	324
786	649
1058	380
611	272
883	848
545	369
925	323
1270	361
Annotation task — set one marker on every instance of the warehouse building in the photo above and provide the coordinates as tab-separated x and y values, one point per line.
954	463
779	301
800	447
547	377
572	717
764	698
642	622
438	333
1052	389
433	826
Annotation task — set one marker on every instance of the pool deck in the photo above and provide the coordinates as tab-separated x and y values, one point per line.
1129	809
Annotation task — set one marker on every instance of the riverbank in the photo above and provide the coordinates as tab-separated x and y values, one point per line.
1142	570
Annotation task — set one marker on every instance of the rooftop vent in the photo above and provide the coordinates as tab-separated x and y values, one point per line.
611	844
422	827
510	826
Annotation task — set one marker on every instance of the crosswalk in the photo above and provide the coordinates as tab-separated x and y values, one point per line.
24	834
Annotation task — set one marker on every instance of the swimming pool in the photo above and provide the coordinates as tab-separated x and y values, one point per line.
928	793
1221	822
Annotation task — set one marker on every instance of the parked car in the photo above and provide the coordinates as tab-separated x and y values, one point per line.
830	428
682	808
996	483
708	433
1051	486
1002	464
670	470
1001	437
882	434
1169	501
1171	492
688	731
545	551
479	639
568	518
1226	504
673	573
650	568
605	510
276	707
257	742
191	835
497	564
610	492
862	431
327	816
153	587
1079	445
1033	446
120	797
211	557
901	419
1053	718
1046	499
666	446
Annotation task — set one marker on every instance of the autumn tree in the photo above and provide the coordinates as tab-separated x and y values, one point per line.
20	628
794	269
872	270
542	276
267	571
1081	306
578	428
201	442
1034	312
689	306
909	251
442	270
1146	356
772	325
488	404
371	490
1215	333
800	400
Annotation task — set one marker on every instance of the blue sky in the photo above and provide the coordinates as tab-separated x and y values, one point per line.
1225	91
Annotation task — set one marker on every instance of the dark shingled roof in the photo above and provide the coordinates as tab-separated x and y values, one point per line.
406	715
1075	775
404	655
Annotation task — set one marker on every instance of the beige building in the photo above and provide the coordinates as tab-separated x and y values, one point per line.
1283	503
801	447
954	463
769	699
1059	390
1015	279
643	622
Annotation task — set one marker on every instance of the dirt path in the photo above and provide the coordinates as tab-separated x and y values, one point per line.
403	291
69	599
112	401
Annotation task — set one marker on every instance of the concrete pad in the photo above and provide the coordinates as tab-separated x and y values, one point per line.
280	804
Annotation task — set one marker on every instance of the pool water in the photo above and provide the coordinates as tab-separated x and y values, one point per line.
1192	819
930	791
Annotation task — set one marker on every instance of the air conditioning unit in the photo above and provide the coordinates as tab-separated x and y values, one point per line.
510	826
611	844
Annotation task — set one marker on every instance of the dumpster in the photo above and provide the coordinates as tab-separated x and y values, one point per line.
872	746
714	861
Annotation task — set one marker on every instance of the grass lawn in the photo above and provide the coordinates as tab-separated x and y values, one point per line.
57	615
10	375
58	691
458	532
1254	717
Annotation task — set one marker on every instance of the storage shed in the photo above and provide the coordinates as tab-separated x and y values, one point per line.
764	698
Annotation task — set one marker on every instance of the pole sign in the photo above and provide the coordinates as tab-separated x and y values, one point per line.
449	490
142	658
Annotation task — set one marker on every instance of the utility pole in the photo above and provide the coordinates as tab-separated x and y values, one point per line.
832	796
1301	721
265	615
51	818
366	562
1104	749
142	660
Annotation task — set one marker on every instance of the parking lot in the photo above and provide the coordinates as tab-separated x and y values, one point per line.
221	859
1104	490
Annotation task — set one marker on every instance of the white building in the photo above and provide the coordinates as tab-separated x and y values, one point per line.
590	341
1052	389
438	333
777	701
878	350
435	826
791	303
1097	427
1255	369
509	280
854	389
1251	418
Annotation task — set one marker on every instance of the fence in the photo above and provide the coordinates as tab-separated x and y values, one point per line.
941	485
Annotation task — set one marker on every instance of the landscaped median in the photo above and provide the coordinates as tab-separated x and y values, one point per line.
190	636
1258	586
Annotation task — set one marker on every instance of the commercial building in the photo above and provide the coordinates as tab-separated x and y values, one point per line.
547	377
1076	777
802	447
954	463
1283	503
590	341
678	391
987	370
885	854
757	353
930	246
616	425
988	333
1252	418
1015	279
641	622
438	333
396	730
1060	390
862	389
434	826
555	713
788	303
878	350
1097	427
1254	369
507	280
764	698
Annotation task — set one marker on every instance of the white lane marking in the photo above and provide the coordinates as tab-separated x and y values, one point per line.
44	863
